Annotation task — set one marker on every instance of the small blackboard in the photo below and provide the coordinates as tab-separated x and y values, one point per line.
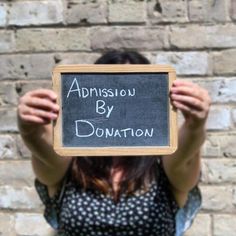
114	110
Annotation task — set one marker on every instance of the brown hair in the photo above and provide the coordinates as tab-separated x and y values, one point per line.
94	172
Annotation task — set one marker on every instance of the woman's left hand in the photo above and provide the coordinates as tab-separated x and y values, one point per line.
192	100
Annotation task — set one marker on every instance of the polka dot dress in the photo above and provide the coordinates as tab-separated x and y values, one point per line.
74	212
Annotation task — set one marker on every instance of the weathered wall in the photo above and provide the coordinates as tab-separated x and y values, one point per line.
198	37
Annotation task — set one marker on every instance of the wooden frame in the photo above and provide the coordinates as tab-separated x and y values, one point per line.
113	151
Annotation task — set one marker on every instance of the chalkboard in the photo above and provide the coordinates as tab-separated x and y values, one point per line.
114	110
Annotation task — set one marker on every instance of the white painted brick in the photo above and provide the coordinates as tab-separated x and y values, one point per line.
185	63
8	120
234	196
201	226
221	89
24	13
36	225
220	145
7	222
234	116
167	11
3	14
8	94
219	171
7	41
7	147
217	198
233	10
224	225
224	62
52	39
138	38
215	36
29	66
76	58
86	11
121	11
211	148
17	173
24	198
219	118
26	86
208	10
22	151
39	66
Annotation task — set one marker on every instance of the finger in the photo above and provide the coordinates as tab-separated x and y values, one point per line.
183	83
42	103
189	91
39	113
189	101
43	114
44	93
34	119
188	110
182	107
179	82
207	98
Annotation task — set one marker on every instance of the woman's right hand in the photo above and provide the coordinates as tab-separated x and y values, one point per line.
36	110
37	107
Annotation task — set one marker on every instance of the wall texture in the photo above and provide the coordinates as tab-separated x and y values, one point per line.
198	37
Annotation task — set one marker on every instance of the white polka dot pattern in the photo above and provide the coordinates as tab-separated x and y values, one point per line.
91	213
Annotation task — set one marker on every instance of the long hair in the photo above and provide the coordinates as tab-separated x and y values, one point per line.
95	172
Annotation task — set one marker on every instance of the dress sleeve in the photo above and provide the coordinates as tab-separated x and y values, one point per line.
52	204
186	215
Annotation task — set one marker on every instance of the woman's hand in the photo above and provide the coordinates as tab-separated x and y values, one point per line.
192	100
36	110
37	107
183	166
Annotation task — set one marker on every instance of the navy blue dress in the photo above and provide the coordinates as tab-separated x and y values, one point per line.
75	212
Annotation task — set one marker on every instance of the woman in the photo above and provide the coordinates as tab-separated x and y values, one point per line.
117	195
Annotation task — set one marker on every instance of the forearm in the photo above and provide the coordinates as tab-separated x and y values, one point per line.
183	167
37	109
189	144
48	167
39	141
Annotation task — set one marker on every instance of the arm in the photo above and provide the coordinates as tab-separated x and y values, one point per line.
36	110
183	167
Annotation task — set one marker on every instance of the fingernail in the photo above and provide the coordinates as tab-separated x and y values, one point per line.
54	96
56	108
53	116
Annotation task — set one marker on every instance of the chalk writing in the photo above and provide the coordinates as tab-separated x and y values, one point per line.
109	132
102	109
114	109
84	92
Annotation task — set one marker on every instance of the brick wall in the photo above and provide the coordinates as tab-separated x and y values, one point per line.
198	37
